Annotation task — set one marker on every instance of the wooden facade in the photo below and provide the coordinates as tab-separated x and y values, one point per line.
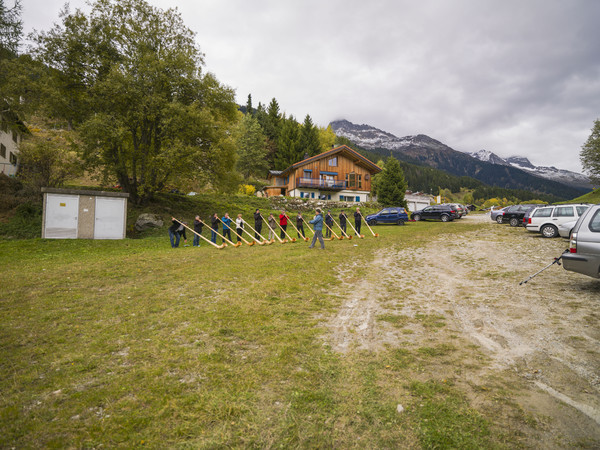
337	174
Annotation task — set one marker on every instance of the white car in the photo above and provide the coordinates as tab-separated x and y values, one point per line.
547	219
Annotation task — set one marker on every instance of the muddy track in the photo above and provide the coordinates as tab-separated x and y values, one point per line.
546	332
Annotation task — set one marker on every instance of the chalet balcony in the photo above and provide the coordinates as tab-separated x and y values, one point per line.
316	183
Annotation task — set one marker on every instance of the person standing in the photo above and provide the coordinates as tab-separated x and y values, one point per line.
258	221
181	233
272	226
214	224
198	224
357	221
329	223
317	223
173	234
226	226
283	223
300	225
239	227
343	217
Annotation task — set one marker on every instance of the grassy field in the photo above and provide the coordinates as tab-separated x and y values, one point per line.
131	343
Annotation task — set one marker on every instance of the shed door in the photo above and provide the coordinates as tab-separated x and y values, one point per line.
110	218
61	216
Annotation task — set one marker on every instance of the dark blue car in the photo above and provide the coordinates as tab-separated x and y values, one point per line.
395	215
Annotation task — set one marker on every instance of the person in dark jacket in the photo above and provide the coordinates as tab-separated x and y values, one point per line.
343	217
318	225
181	233
198	224
283	223
214	224
329	223
300	225
357	221
258	224
226	226
173	234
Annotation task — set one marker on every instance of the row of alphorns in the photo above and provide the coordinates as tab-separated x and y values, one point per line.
264	241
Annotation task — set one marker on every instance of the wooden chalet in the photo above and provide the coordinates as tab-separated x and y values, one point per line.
339	174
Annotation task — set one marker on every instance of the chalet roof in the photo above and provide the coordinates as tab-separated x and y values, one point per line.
353	155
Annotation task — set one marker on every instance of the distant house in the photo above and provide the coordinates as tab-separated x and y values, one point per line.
417	200
339	174
11	134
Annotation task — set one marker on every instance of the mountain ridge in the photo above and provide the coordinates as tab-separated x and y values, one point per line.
422	149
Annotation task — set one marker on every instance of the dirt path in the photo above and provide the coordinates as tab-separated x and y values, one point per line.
545	332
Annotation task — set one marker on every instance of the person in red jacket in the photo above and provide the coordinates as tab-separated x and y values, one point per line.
283	223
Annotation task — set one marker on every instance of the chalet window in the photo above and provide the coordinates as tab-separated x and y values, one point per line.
13	158
2	151
351	180
359	181
307	173
333	161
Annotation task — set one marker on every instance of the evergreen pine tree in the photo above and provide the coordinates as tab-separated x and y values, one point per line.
249	108
289	150
391	185
251	146
309	138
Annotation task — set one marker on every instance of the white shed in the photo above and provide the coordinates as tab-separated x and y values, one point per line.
83	214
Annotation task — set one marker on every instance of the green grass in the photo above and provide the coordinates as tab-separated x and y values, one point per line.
590	197
131	343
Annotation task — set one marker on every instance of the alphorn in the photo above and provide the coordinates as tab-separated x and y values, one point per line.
235	232
291	239
265	241
295	228
342	230
281	241
332	232
308	226
360	236
250	234
198	234
367	223
224	238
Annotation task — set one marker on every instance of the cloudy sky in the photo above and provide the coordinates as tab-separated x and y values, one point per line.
514	77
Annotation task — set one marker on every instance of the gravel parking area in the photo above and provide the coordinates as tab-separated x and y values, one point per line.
543	337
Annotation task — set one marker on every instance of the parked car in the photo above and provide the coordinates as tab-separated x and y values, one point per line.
498	212
514	214
395	215
565	229
460	209
445	213
545	220
584	246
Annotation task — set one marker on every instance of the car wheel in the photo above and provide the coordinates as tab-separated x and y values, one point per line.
400	222
499	219
445	218
514	222
372	222
416	217
549	231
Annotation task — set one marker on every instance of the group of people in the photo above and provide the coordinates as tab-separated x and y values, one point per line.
226	224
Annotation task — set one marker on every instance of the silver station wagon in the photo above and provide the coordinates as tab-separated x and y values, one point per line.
583	255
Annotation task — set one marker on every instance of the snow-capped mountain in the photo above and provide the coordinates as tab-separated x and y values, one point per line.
483	165
551	173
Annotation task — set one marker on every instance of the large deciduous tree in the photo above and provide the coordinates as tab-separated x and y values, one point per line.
391	186
590	154
129	78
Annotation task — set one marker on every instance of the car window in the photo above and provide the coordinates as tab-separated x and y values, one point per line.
564	211
581	209
385	211
393	211
429	208
542	212
595	222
